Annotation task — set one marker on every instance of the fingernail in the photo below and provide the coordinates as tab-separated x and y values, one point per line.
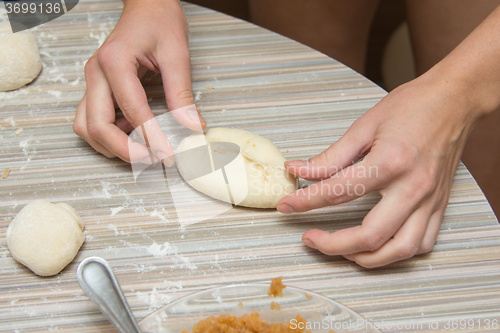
168	162
297	163
164	157
286	209
309	243
194	116
348	257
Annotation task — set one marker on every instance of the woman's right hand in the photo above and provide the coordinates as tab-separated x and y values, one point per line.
149	35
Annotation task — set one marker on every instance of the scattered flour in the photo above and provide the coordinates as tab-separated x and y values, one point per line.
101	38
197	96
24	144
158	296
145	268
161	214
87	236
29	152
161	251
104	193
117	232
216	262
116	210
59	78
11	121
167	249
187	264
74	83
55	93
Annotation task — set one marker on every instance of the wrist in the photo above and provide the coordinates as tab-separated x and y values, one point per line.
474	70
471	83
148	3
453	95
155	13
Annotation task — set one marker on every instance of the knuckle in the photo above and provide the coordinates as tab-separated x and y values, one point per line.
79	128
185	95
426	247
107	54
423	186
136	114
395	165
406	251
428	184
94	130
398	160
373	241
90	66
323	158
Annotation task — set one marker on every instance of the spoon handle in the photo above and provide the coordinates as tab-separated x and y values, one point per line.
97	280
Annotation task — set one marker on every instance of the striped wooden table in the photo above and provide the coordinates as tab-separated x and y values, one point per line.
244	77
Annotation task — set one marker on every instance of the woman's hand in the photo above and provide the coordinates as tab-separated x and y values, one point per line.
153	36
411	142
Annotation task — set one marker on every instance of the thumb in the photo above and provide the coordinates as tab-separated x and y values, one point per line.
176	77
343	153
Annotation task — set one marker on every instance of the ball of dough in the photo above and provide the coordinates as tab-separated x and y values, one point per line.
20	61
45	237
255	176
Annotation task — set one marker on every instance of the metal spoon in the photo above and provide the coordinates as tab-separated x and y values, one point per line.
97	280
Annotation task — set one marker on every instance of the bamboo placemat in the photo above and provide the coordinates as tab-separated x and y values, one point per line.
244	77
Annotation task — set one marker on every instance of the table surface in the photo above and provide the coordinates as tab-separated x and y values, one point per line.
244	77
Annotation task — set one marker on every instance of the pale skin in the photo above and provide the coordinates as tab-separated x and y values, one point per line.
137	44
414	136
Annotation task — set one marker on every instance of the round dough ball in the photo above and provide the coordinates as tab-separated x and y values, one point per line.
20	61
45	237
256	177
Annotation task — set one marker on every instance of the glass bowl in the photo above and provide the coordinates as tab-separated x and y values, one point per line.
322	314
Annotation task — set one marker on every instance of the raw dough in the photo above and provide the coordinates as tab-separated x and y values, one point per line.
45	237
20	61
255	178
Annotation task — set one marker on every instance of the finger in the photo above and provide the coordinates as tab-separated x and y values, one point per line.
141	71
432	231
404	244
175	68
379	225
349	184
100	116
124	125
80	128
131	98
347	150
